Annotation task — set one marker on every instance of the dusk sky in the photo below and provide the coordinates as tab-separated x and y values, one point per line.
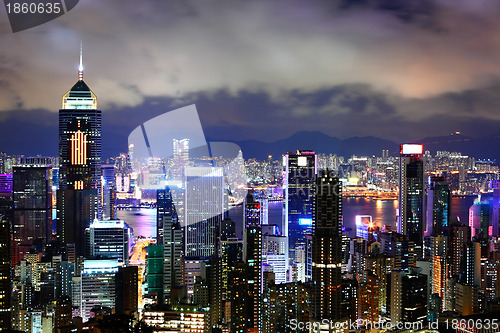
400	70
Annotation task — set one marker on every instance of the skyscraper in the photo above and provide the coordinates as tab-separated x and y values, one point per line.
411	192
438	206
327	247
32	193
108	239
165	207
252	255
79	163
298	181
173	246
181	157
205	205
5	262
108	191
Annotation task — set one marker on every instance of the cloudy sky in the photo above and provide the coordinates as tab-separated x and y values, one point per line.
397	69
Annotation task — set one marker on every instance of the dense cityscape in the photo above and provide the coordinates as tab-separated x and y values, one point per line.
244	245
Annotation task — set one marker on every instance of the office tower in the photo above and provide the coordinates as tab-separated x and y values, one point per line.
5	263
439	267
261	197
32	193
108	191
411	192
407	296
155	271
479	219
327	247
6	184
471	264
368	298
205	205
438	206
176	318
181	158
97	285
231	253
242	302
127	293
108	239
165	207
275	257
495	208
79	163
227	229
62	315
211	273
398	246
252	254
365	227
349	299
192	273
285	304
172	256
457	235
298	183
466	299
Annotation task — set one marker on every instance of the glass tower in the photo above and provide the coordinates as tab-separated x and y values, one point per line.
79	163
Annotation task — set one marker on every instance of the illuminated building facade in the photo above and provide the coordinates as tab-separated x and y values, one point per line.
108	239
181	157
97	285
173	246
179	318
364	227
438	206
252	255
205	204
298	184
407	296
327	247
5	262
108	191
79	163
165	207
411	192
32	193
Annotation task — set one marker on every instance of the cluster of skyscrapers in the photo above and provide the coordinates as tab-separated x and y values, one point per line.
67	264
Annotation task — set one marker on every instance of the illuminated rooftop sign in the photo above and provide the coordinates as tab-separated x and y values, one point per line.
412	149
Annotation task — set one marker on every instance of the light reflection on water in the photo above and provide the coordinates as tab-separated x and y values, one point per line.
383	212
142	220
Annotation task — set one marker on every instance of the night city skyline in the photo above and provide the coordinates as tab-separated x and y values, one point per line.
400	71
250	166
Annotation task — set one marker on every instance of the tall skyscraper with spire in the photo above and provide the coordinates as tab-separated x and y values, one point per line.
79	162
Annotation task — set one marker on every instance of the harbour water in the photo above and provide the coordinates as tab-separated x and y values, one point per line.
383	212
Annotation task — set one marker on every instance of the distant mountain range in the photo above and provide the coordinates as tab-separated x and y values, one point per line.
484	147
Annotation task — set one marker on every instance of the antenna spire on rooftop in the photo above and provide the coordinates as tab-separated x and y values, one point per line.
80	68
